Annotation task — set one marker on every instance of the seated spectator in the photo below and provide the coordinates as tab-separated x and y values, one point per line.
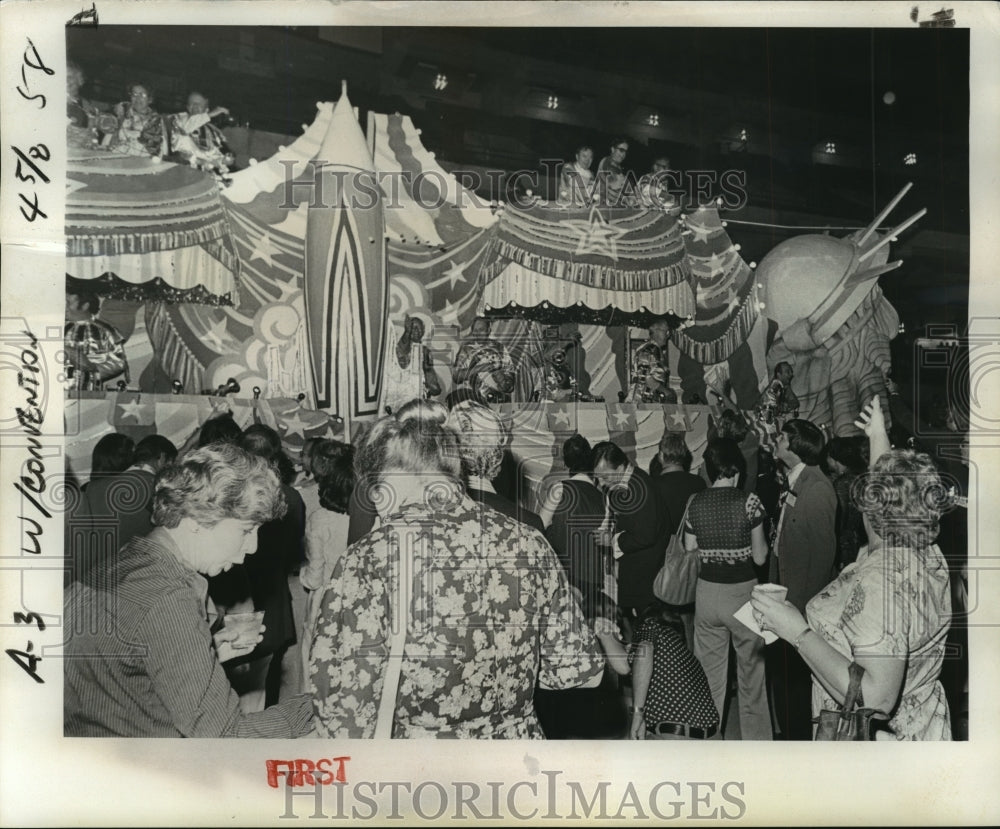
670	692
653	190
206	509
576	179
483	438
140	130
95	350
611	179
195	140
82	115
498	620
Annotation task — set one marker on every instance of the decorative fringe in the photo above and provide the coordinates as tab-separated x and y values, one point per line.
176	359
125	242
722	347
500	253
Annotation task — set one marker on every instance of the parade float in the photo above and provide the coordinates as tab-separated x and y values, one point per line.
282	295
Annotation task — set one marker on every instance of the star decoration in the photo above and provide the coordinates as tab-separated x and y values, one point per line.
455	274
448	314
72	185
262	249
716	264
295	425
561	417
597	235
216	337
700	232
621	419
131	409
677	419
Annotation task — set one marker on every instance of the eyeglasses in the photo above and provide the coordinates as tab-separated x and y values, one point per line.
620	149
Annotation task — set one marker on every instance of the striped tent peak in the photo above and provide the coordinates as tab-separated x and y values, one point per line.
267	175
397	148
344	144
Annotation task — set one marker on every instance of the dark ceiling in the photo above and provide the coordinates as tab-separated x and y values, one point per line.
792	90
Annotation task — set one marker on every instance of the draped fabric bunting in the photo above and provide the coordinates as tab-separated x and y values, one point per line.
122	209
346	292
582	264
263	343
260	343
727	341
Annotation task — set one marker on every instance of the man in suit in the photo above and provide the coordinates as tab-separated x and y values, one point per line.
641	532
804	548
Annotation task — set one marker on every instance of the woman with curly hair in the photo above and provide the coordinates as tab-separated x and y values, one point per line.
891	609
441	621
142	658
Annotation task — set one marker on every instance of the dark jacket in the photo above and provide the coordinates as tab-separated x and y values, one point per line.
641	520
807	542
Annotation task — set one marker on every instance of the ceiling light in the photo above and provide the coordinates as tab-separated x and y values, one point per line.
744	134
441	81
653	119
553	102
830	148
910	159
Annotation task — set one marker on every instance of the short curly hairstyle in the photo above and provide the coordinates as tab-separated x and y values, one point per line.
903	498
415	447
483	438
217	482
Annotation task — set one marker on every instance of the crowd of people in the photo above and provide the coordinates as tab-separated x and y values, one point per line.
612	185
396	587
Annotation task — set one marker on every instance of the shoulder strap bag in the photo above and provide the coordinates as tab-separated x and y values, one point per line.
677	580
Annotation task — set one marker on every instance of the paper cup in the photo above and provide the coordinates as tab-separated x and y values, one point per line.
247	627
778	591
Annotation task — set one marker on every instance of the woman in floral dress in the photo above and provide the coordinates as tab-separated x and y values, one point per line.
890	610
491	611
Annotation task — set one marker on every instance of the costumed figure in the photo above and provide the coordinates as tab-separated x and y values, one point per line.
650	375
141	127
484	369
558	381
95	351
196	140
576	180
409	367
834	324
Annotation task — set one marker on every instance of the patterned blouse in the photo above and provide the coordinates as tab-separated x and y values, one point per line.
491	615
722	518
893	602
